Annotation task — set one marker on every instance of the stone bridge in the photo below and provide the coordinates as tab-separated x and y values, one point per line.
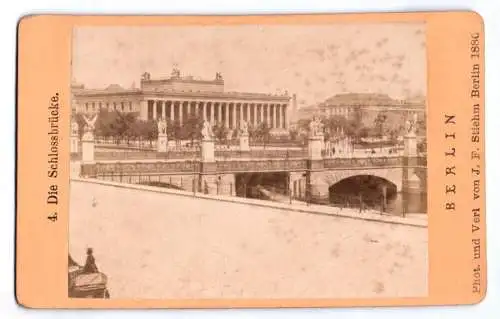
309	174
320	174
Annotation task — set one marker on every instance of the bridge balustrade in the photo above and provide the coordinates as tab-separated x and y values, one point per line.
362	161
261	166
145	155
262	153
231	165
138	168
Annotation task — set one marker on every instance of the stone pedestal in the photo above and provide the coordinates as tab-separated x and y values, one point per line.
244	143
88	144
314	147
162	143
319	188
75	169
410	142
207	151
73	143
412	196
411	184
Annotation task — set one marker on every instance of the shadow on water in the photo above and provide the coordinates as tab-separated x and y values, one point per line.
366	192
250	185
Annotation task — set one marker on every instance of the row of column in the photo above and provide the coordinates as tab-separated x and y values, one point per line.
231	114
94	107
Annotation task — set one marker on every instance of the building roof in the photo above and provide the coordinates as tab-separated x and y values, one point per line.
373	101
361	99
184	79
116	89
172	91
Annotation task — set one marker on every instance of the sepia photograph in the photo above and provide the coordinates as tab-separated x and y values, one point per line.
246	161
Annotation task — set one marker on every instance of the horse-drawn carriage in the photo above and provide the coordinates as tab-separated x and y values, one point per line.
86	281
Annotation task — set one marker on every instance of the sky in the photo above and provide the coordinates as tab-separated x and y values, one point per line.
313	61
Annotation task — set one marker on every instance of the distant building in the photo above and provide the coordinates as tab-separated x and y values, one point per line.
177	97
368	104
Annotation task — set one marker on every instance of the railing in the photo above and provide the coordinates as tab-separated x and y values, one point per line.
181	165
271	165
278	143
139	168
363	162
261	153
144	155
422	160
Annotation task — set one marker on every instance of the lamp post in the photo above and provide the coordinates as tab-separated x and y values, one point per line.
287	167
194	174
307	188
218	184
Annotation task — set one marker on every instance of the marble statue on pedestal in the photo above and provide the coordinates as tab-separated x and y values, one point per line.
206	132
162	142
244	128
312	128
162	126
146	76
411	124
88	139
89	127
316	141
74	137
316	128
74	128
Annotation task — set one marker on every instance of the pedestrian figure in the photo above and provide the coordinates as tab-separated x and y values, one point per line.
361	204
90	266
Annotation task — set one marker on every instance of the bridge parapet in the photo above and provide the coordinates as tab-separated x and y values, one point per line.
370	162
363	162
242	165
422	161
269	165
139	168
262	153
117	155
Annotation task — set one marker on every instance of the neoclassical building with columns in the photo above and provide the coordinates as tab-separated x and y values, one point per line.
178	97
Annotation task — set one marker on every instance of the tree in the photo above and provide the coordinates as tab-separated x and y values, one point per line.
364	132
151	131
147	130
422	146
134	131
175	131
263	133
220	132
115	124
170	129
355	125
393	136
303	125
379	124
81	123
421	126
191	129
357	117
124	125
334	124
293	134
235	134
138	130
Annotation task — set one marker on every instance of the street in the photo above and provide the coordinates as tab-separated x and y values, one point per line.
154	245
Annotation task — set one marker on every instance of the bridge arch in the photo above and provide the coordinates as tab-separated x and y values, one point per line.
376	188
372	189
321	181
392	175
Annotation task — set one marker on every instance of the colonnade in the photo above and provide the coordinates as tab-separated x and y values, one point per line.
229	113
